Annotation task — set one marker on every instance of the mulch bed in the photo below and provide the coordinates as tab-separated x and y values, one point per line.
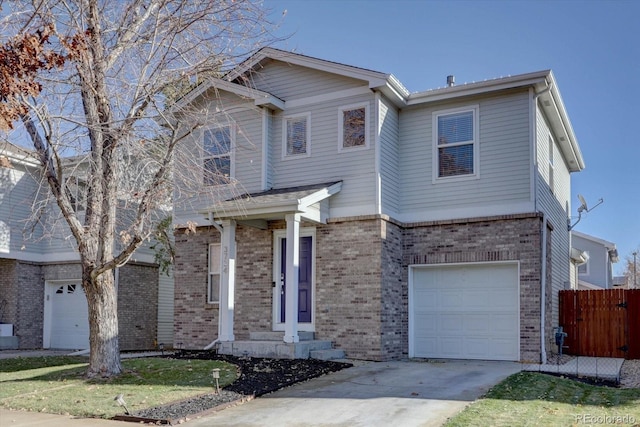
258	376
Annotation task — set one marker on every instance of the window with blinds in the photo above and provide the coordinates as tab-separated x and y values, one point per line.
456	143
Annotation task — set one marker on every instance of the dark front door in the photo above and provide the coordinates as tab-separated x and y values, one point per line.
304	280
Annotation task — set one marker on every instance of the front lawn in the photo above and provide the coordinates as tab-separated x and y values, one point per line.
56	384
535	399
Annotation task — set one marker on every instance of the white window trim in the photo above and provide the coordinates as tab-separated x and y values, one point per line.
210	272
232	150
341	111
476	144
286	156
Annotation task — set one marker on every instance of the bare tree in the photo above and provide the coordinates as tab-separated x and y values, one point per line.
91	82
632	269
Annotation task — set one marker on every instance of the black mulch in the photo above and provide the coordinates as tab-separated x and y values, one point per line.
258	376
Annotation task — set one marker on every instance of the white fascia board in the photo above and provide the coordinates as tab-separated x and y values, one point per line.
570	144
320	195
260	98
522	80
607	244
304	61
51	257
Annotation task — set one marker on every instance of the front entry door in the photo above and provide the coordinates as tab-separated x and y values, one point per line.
304	281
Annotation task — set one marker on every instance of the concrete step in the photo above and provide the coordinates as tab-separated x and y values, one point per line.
330	354
273	349
278	335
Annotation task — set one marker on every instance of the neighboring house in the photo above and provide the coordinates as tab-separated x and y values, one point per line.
596	272
392	224
621	282
40	291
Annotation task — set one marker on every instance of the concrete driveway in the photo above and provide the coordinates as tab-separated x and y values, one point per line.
406	393
399	393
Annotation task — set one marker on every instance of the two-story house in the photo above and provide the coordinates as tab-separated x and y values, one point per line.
41	296
392	224
596	270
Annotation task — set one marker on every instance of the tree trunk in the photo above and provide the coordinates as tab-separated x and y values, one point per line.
102	299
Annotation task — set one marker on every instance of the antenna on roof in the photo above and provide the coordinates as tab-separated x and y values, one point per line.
583	208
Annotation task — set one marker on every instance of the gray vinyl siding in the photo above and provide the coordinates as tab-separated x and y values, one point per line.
289	82
555	205
504	157
598	271
18	190
248	148
325	164
389	156
165	309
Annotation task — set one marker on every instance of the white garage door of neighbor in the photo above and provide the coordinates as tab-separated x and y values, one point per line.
69	318
465	312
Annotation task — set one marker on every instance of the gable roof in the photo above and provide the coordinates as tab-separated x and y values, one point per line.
543	83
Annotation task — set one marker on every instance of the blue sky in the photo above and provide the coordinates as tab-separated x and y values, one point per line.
593	48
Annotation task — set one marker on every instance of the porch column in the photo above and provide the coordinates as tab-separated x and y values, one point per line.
227	280
291	279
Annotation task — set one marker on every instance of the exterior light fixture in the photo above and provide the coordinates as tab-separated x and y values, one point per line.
216	377
120	400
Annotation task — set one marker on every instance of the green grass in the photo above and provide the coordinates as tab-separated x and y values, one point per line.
56	384
534	399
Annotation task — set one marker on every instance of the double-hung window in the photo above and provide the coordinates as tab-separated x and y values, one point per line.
297	135
213	283
353	131
455	137
216	146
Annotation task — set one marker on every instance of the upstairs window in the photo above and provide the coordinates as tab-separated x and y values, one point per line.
297	135
217	155
353	127
76	190
455	142
213	283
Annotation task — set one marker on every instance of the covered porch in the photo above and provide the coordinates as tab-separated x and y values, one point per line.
291	333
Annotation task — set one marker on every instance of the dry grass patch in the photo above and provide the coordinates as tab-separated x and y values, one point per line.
57	385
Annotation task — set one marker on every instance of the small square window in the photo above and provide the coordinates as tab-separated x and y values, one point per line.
353	127
296	136
213	281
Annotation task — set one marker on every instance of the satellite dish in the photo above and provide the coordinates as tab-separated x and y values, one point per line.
583	202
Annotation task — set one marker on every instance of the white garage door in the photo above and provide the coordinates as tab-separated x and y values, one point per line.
69	318
465	312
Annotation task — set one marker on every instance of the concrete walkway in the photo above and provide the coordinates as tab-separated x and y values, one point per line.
607	368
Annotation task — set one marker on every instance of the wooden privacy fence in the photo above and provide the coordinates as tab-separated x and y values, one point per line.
601	323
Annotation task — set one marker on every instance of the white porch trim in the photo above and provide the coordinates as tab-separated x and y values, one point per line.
293	267
227	280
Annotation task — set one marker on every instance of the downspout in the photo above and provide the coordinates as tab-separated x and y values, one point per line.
543	291
214	342
543	276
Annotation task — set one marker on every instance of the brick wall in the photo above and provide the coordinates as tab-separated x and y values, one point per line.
509	238
348	287
196	321
8	291
138	306
30	315
361	293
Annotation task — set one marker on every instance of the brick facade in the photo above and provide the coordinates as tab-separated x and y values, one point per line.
22	286
361	282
